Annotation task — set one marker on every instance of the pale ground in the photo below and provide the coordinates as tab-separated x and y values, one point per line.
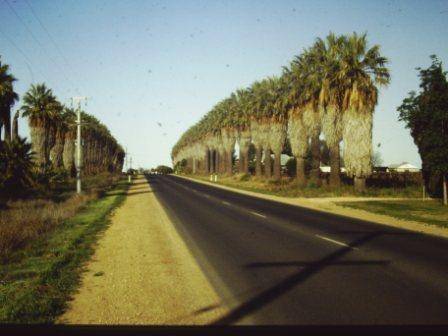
330	205
142	272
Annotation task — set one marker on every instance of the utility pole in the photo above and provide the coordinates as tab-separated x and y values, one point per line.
78	100
130	168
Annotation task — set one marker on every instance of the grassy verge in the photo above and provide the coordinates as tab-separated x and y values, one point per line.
428	212
287	187
37	280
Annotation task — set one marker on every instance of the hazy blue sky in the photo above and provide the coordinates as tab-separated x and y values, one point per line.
169	62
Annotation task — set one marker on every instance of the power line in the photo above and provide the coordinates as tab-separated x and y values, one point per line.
48	33
27	60
38	42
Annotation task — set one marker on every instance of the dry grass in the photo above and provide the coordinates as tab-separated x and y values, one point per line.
287	187
23	221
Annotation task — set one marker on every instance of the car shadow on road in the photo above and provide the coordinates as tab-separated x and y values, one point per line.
307	270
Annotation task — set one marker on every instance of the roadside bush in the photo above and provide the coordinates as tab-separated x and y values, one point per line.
25	220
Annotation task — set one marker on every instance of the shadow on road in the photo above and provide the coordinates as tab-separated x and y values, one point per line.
307	270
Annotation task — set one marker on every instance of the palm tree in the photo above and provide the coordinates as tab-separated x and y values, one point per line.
328	62
16	166
7	99
40	106
362	70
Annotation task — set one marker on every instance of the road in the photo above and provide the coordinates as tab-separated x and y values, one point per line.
281	264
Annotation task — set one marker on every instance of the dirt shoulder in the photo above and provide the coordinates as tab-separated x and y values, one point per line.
142	272
331	205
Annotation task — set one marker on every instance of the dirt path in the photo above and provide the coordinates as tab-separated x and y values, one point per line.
142	272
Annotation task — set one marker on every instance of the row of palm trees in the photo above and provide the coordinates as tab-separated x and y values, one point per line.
53	130
329	90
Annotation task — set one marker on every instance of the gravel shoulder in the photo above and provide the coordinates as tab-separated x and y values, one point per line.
331	205
143	272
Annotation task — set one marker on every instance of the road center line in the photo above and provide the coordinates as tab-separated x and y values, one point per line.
257	214
336	242
224	202
205	195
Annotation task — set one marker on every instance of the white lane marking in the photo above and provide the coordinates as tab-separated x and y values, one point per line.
257	214
205	195
335	242
224	202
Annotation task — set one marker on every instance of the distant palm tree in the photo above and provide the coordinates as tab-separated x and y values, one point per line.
41	107
362	70
7	99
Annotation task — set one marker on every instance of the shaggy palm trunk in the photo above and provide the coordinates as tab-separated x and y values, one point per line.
7	123
258	155
37	134
229	162
298	139
207	161
312	122
267	163
15	126
357	134
244	160
277	137
300	171
332	130
315	160
57	152
277	166
244	143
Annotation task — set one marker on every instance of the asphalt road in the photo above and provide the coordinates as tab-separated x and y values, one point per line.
280	264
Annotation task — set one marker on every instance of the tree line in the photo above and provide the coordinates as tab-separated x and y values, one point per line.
330	89
53	132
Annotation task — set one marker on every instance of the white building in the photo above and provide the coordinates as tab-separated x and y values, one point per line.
403	167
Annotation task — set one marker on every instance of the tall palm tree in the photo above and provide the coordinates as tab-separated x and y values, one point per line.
328	63
40	106
362	70
7	99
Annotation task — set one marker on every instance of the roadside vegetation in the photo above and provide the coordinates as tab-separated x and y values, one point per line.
431	212
287	187
37	280
46	230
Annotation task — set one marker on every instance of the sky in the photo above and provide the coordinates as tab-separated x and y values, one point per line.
151	69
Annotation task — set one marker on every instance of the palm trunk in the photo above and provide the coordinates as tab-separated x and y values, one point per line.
57	152
15	126
277	166
207	161
315	160
300	171
298	138
335	164
7	123
267	163
258	155
360	183
37	134
229	163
